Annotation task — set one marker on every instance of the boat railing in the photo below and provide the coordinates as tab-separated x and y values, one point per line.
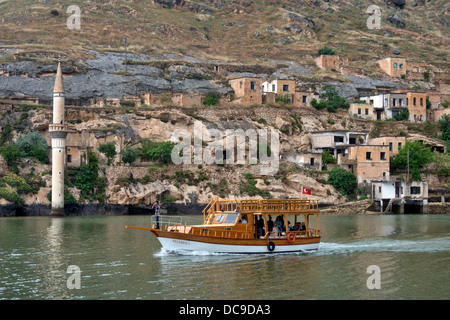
268	206
166	222
222	233
311	233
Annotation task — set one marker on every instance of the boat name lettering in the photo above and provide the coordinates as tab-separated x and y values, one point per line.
181	242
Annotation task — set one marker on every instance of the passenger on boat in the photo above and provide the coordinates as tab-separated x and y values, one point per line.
243	220
303	226
270	224
275	231
157	213
260	226
279	224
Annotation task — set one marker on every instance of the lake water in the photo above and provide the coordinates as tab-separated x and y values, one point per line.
412	253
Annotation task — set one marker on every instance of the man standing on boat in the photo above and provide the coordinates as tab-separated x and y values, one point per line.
157	213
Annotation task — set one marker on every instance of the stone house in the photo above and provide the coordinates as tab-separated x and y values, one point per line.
77	144
280	87
434	97
304	98
247	89
187	99
337	141
395	144
367	162
329	62
305	160
417	104
387	105
362	111
151	98
416	70
436	114
394	67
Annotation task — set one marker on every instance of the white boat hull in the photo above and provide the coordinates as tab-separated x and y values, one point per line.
172	244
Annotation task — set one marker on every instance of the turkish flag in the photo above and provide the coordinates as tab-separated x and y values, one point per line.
306	191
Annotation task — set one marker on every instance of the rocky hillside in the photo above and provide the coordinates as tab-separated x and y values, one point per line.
240	31
258	37
144	182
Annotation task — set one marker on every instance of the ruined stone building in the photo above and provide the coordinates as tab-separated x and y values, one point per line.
329	62
305	160
400	196
337	141
278	88
362	111
394	67
417	104
247	89
366	162
395	144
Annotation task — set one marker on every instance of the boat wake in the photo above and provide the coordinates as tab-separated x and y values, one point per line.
165	252
386	245
328	248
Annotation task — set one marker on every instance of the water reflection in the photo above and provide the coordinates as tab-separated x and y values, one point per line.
53	274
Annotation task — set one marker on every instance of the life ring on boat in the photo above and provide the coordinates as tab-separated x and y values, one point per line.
271	246
291	237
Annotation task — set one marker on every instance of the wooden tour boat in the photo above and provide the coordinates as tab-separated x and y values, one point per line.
244	226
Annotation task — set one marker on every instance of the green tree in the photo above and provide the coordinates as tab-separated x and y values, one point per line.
212	98
403	115
333	100
156	151
129	154
419	156
86	175
318	105
109	150
86	178
342	180
34	145
442	164
11	195
11	153
6	133
326	51
444	126
327	158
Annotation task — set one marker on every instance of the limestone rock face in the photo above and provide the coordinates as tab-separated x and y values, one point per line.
144	182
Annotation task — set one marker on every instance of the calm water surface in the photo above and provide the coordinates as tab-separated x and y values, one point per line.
412	252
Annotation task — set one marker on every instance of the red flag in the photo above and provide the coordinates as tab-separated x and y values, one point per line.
306	191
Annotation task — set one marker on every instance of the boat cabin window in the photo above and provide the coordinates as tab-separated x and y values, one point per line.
231	218
219	218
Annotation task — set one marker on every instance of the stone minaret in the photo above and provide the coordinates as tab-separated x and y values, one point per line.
58	132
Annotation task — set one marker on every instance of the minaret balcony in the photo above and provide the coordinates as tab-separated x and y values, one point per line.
58	127
58	130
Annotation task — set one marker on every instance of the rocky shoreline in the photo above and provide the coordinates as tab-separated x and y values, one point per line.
35	210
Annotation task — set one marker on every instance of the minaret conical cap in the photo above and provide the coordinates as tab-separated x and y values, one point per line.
59	84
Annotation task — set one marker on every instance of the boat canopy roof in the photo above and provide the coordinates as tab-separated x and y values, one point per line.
229	209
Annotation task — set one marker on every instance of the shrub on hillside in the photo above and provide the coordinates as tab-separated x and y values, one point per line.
342	180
